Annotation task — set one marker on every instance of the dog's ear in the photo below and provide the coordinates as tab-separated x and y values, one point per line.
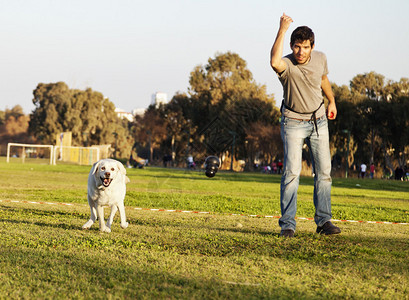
123	172
95	167
121	168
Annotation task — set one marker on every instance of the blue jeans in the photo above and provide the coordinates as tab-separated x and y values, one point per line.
294	133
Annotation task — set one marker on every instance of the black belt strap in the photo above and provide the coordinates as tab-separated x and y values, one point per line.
314	117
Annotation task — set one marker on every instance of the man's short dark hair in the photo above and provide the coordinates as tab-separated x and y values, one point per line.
301	34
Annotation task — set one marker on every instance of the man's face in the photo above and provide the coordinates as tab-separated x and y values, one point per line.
302	51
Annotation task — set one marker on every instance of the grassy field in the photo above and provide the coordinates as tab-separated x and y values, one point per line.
173	255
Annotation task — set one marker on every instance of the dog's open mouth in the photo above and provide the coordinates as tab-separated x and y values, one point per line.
106	181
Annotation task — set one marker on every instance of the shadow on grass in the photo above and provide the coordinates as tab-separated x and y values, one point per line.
41	212
203	235
110	277
154	240
339	255
42	224
28	214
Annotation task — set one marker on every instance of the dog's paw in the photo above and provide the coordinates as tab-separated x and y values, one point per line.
87	225
125	225
106	229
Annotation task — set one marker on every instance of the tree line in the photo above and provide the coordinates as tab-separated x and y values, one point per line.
374	117
225	113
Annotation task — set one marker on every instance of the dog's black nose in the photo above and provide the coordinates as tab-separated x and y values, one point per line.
107	174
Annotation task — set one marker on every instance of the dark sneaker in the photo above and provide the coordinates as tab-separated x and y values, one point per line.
287	233
328	228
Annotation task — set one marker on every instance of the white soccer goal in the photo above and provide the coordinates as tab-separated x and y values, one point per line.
25	151
78	155
52	154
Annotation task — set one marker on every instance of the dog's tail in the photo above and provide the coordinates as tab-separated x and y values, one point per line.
127	180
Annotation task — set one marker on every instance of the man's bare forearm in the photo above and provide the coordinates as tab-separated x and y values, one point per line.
327	89
276	53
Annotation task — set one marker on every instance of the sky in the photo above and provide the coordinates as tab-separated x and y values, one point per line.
129	50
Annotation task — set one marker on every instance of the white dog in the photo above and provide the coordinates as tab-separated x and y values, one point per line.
106	187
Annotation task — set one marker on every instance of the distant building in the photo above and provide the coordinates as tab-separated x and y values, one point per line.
138	111
159	98
124	115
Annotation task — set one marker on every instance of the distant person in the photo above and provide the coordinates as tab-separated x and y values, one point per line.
274	167
399	173
280	167
303	75
190	162
372	170
166	159
363	170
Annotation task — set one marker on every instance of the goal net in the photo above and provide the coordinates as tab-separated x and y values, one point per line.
50	154
77	155
30	152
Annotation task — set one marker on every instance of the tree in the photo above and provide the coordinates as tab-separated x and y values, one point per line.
225	98
14	126
87	114
368	85
375	114
342	128
149	131
266	139
52	102
180	131
394	130
396	90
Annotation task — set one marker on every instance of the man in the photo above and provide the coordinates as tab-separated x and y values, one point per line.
372	170
303	74
363	170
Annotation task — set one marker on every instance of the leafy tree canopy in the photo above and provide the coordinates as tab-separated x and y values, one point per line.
87	114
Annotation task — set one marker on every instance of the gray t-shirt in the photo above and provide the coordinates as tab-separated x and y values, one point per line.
302	85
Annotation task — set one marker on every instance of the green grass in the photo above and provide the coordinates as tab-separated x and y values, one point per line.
45	254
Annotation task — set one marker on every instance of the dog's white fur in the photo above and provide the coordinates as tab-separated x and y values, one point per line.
106	187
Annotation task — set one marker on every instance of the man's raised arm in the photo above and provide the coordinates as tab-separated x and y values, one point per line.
277	50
